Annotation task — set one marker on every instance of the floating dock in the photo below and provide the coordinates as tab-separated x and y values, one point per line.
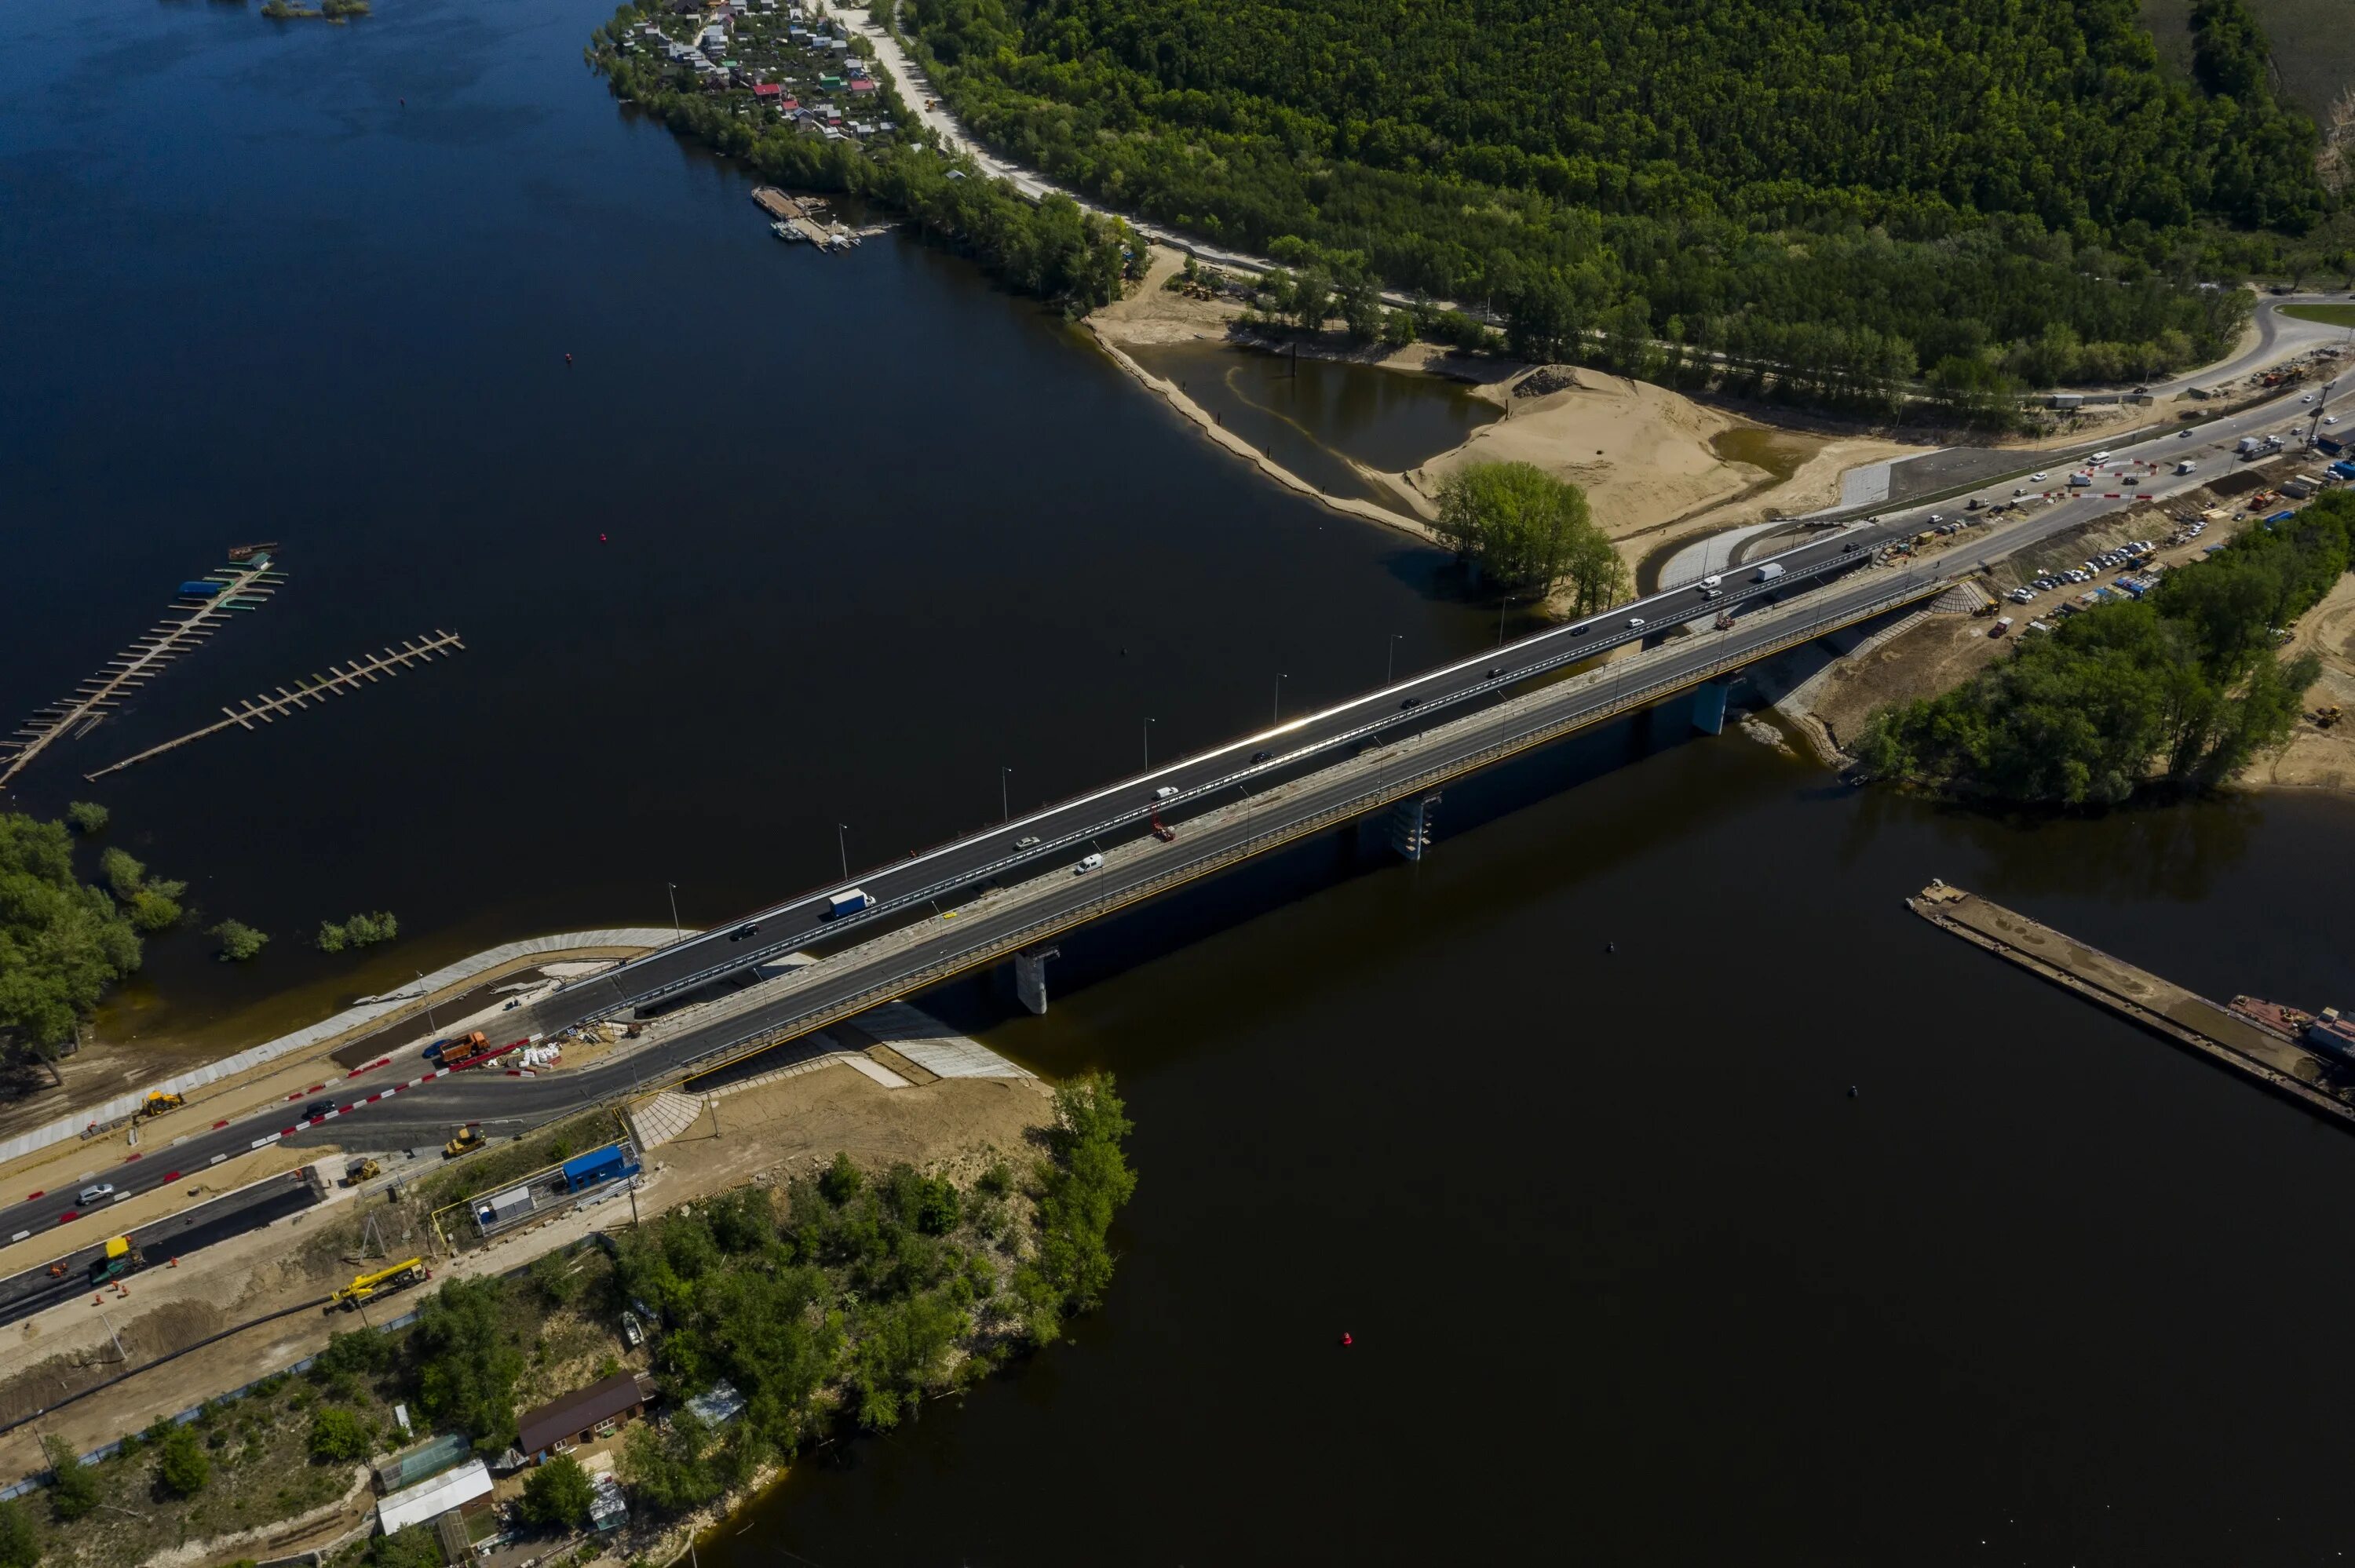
197	612
797	219
2272	1058
267	708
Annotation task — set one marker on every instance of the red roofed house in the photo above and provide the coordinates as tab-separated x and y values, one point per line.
768	89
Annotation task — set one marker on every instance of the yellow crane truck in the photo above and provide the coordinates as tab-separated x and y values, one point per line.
384	1281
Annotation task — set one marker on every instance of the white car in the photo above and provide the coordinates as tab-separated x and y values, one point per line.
2329	418
2036	479
2308	398
1165	793
97	1192
2101	457
1634	621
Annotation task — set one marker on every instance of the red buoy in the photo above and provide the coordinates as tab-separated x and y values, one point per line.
1346	1340
600	538
568	359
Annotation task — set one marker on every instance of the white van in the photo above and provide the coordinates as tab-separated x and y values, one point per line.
1087	865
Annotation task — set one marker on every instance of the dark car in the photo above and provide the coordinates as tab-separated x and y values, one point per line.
316	1109
1412	702
741	932
1259	757
1494	671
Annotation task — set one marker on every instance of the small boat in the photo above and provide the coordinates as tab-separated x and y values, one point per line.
784	231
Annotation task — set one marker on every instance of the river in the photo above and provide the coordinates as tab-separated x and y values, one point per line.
1555	1124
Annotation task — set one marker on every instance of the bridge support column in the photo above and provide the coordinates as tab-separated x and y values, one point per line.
1030	977
1411	825
1708	707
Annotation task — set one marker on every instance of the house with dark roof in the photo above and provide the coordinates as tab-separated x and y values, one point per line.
576	1417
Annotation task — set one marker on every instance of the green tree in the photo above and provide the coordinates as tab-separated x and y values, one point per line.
239	941
123	873
411	1546
841	1181
467	1362
20	1539
182	1467
73	1486
62	944
557	1495
1517	523
337	1435
1082	1185
87	817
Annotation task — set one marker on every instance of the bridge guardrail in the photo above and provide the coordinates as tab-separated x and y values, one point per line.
767	1035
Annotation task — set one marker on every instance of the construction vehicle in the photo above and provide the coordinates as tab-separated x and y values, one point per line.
368	1286
469	1136
157	1102
2324	717
118	1259
359	1170
456	1046
1162	833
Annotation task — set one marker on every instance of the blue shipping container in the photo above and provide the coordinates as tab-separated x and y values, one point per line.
2279	517
598	1166
199	590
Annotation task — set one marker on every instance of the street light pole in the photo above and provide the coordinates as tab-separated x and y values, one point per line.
1005	806
428	1002
1276	709
1390	660
842	843
1148	745
677	930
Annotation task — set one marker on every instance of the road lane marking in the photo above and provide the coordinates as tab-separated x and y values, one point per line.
219	1157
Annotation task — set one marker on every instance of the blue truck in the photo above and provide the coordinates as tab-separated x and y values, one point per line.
838	905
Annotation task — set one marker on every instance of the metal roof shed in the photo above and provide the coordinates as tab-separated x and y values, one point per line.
429	1499
598	1165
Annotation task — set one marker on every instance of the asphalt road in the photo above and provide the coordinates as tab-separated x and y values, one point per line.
1831	570
175	1235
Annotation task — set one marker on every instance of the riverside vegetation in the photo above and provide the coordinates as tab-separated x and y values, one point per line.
1831	200
64	943
1520	525
1051	249
2180	688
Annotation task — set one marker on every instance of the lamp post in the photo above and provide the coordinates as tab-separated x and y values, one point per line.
842	843
1005	806
1390	659
1275	712
428	1002
1148	745
677	930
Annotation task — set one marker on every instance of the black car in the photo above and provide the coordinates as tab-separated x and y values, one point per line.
1412	702
316	1109
1259	757
741	932
1494	671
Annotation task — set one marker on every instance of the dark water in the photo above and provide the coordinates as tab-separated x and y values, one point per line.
1632	1279
794	541
1314	416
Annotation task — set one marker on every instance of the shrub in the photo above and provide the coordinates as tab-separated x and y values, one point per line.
239	941
73	1489
557	1495
841	1181
86	817
358	1351
339	1436
182	1467
20	1542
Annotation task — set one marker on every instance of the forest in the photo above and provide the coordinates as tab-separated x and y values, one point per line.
2180	688
1969	192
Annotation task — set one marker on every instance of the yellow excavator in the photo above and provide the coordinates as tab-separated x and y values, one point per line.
157	1102
469	1136
368	1286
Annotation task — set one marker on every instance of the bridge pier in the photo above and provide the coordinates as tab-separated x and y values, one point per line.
1030	977
1411	825
1708	707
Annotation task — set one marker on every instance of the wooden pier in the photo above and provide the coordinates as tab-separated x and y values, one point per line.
243	587
340	680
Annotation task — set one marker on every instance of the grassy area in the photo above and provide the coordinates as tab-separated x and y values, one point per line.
259	1469
492	1168
2335	315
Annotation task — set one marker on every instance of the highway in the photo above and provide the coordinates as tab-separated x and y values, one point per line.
1458	713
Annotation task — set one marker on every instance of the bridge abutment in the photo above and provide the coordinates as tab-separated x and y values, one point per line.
1411	825
1030	977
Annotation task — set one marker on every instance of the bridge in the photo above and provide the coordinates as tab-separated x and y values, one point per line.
1005	894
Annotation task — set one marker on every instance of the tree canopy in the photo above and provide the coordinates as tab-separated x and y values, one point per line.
1526	528
2181	687
1859	190
62	943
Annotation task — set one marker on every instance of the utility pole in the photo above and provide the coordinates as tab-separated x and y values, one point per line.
428	1002
1005	806
1389	661
677	931
842	843
1275	712
1148	745
714	1103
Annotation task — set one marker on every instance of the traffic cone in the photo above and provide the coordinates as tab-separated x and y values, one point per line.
173	1264
98	1300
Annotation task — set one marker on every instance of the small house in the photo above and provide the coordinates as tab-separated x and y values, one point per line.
767	92
576	1417
470	1483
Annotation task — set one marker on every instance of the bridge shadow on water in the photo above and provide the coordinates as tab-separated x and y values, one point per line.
1112	946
